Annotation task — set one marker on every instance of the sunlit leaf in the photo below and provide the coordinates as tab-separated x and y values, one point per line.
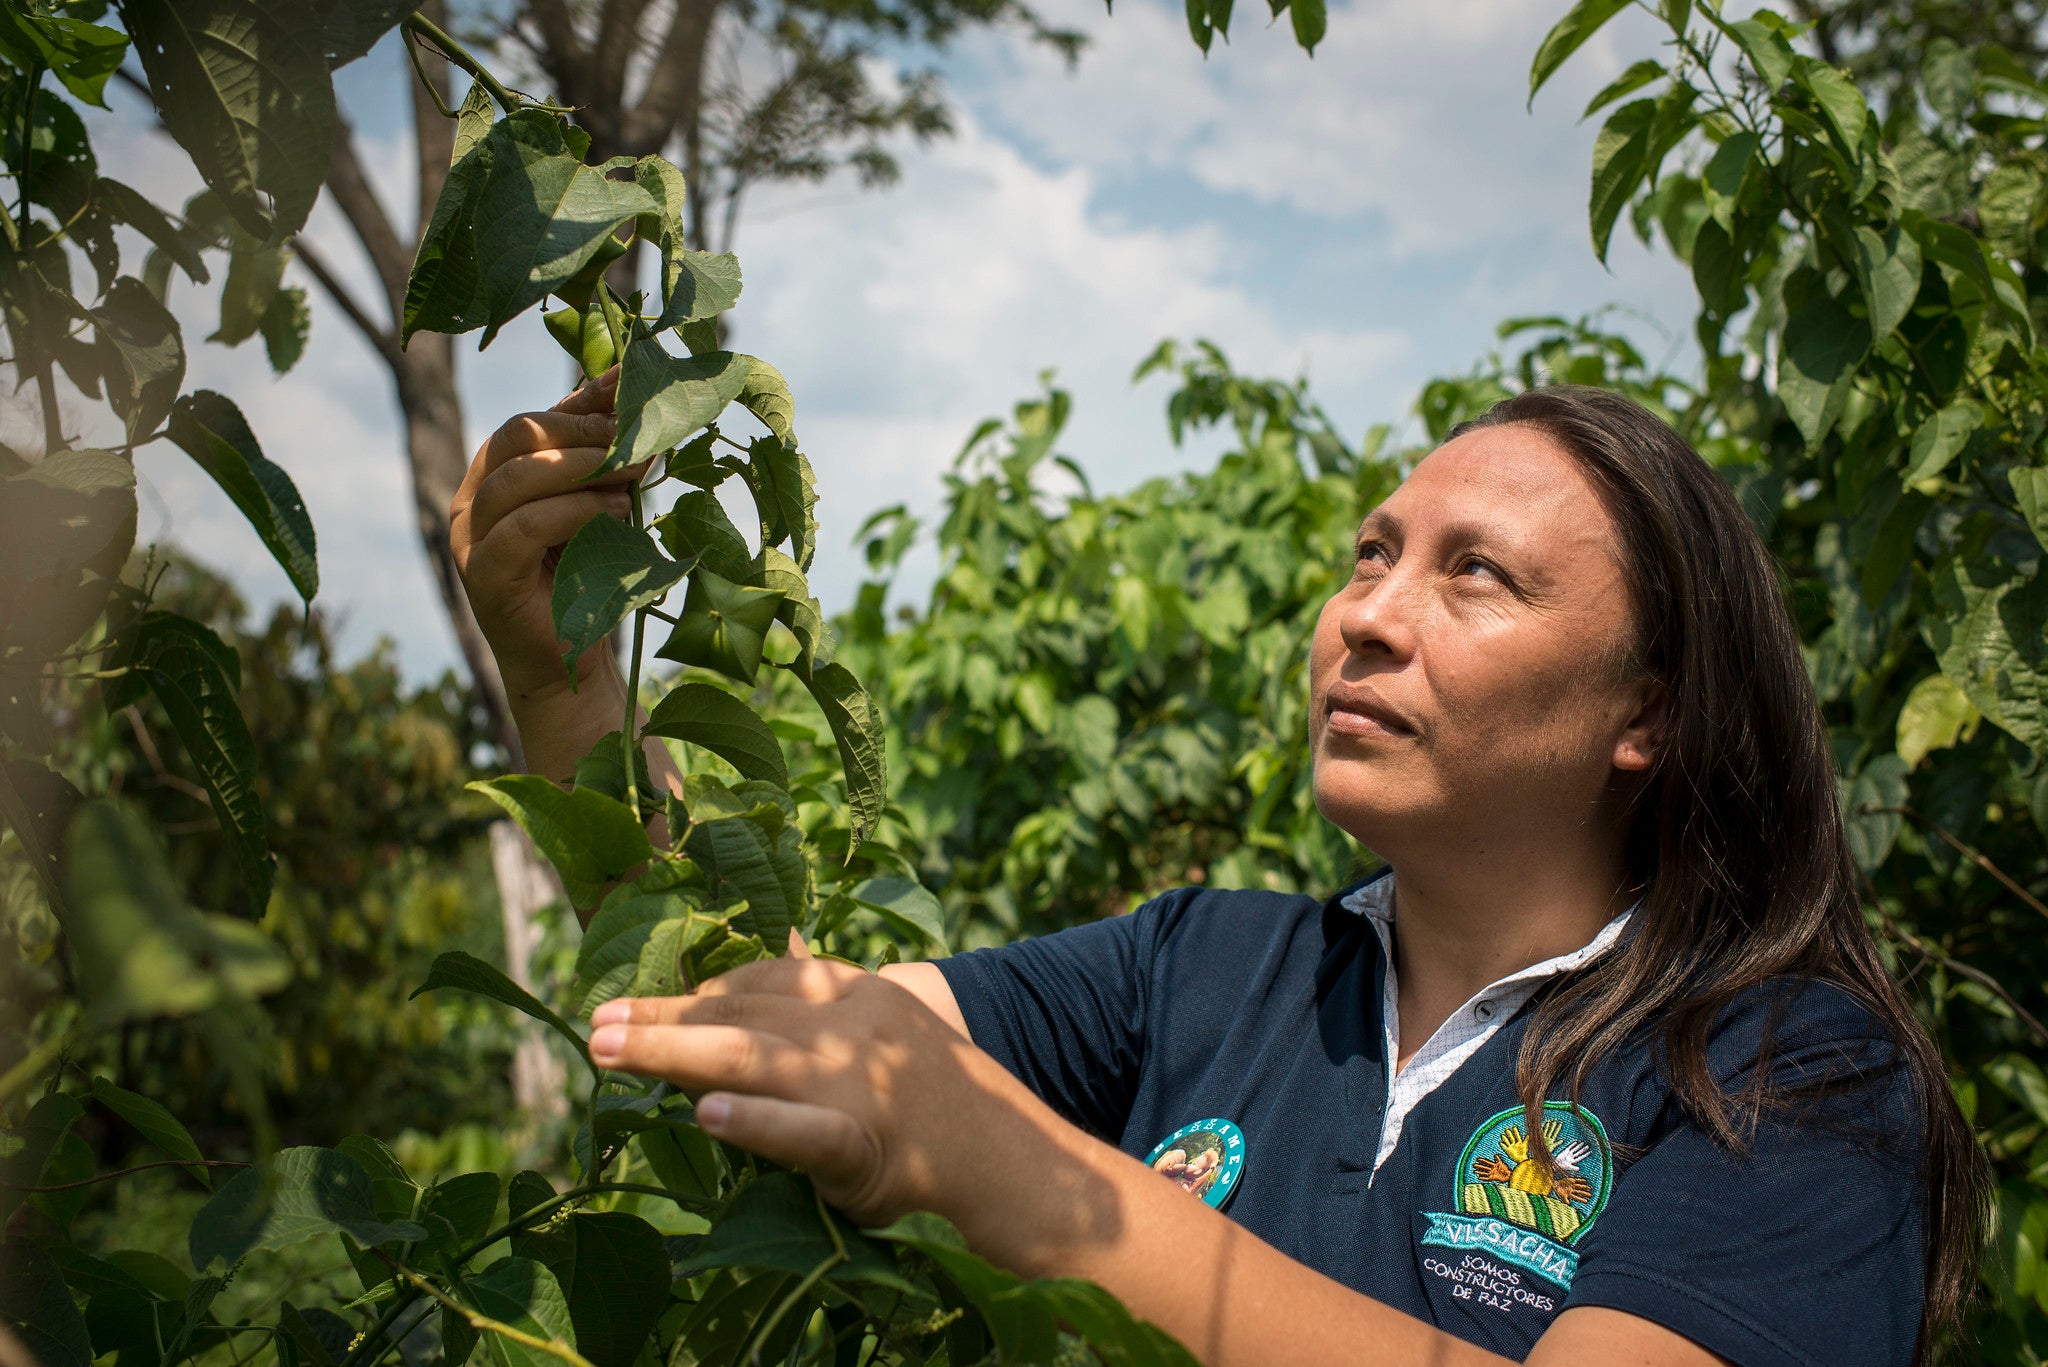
588	837
699	714
466	973
213	432
607	570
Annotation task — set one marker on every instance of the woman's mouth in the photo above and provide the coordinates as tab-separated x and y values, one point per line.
1350	711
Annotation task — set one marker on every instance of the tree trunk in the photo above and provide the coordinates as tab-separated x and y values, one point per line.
525	885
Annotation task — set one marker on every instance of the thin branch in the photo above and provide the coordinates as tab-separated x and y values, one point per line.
164	777
123	1172
1967	852
353	195
374	332
481	1322
417	27
1963	970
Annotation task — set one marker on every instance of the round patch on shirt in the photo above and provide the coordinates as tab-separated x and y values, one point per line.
1205	1159
1498	1176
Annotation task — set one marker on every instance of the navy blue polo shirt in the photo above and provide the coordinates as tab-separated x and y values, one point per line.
1265	1009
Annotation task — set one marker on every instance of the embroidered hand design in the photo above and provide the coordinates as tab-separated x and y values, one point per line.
1515	1144
1491	1169
1568	1158
1573	1189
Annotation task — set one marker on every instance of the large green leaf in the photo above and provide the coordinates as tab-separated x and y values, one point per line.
723	626
195	675
1888	267
1816	360
699	714
456	1212
37	1305
1989	631
1568	35
524	1295
297	1194
1871	802
1620	157
137	950
663	400
2030	489
67	524
756	859
1938	439
906	904
1840	103
613	1270
857	727
141	356
445	292
541	214
800	612
213	432
697	527
698	285
467	973
243	86
608	569
776	1222
766	395
1935	714
612	943
153	1122
786	495
589	838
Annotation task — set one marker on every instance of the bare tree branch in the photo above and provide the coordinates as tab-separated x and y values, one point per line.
353	194
316	266
675	88
618	37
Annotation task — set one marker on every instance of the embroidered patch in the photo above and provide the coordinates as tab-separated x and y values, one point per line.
1519	1209
1204	1159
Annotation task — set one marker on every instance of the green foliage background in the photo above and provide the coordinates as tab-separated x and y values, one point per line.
1101	697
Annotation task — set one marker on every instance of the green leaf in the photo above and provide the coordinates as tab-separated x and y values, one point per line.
727	1314
1024	1326
608	569
67	524
1770	55
857	727
392	1191
1628	83
1936	441
786	495
1311	20
541	215
624	922
663	400
352	27
1989	631
699	714
294	1196
799	612
1888	268
758	862
1818	356
766	395
137	950
613	1270
195	676
905	904
684	1159
211	430
697	527
659	971
1620	155
37	1305
467	973
79	54
698	285
254	273
2030	489
2021	1079
1841	104
723	626
589	838
141	356
523	1295
777	1222
1934	716
243	86
1585	19
445	291
285	326
456	1213
130	206
155	1124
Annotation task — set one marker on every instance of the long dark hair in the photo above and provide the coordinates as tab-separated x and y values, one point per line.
1737	841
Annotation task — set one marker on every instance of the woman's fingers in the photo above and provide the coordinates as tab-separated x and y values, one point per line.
542	474
839	1152
510	552
706	1058
818	980
592	396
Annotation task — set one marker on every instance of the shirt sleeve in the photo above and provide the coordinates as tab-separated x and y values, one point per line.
1066	1012
1806	1246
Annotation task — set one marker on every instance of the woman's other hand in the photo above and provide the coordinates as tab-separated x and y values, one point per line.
519	503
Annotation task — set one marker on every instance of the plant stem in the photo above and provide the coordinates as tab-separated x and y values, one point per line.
418	26
123	1172
629	728
753	1354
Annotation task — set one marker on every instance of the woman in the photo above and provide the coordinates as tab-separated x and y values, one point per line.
1604	1069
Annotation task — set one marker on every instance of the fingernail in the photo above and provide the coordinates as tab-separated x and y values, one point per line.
713	1111
608	379
607	1043
614	1012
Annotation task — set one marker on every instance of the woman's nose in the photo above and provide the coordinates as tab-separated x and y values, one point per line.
1382	617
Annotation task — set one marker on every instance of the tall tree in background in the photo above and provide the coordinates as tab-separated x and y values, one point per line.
1882	41
741	94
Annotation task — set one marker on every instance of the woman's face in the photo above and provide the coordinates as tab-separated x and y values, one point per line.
1472	680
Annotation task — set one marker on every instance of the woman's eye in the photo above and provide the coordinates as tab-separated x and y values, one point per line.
1473	565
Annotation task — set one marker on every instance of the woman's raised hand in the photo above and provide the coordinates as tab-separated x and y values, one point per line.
519	504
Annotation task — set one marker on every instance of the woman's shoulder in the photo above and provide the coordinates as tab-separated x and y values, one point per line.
1803	1024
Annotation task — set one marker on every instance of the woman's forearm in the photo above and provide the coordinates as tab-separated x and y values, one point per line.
1231	1298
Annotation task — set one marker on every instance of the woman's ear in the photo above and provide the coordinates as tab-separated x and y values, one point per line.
1642	739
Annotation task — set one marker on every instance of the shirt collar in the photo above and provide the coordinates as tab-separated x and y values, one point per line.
1375	902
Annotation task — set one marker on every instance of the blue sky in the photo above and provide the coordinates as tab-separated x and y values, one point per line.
1364	217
